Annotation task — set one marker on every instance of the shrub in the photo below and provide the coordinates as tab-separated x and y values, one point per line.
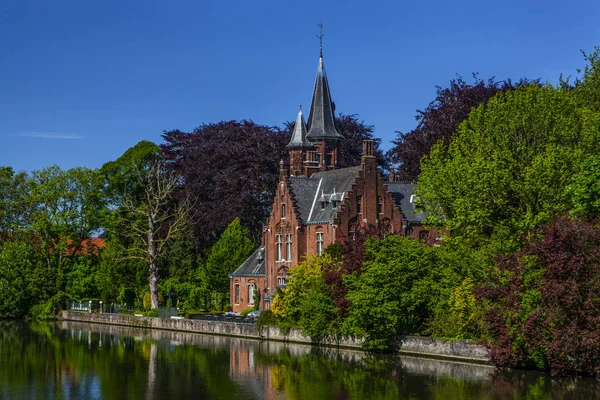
459	317
148	301
247	311
50	308
267	317
152	313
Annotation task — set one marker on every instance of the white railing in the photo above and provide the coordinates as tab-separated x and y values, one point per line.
81	306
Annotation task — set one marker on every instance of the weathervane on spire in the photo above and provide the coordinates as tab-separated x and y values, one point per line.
320	36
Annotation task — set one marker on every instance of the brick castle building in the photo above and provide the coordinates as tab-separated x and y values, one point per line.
317	204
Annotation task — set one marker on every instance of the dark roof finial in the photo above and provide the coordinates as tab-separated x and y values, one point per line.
320	36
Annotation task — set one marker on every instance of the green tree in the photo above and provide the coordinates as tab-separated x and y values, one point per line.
394	293
306	301
18	264
506	169
65	209
587	88
584	189
459	269
117	273
225	256
14	205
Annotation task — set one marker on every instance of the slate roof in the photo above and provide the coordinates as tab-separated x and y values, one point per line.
253	266
331	186
402	193
299	140
321	120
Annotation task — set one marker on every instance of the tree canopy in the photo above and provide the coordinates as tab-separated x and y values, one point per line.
439	121
230	169
507	167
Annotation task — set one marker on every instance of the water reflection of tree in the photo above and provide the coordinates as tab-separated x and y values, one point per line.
78	363
60	364
325	374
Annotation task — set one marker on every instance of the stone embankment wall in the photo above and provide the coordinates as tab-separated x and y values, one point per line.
411	345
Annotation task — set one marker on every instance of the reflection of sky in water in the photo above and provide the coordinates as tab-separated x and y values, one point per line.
68	385
83	361
82	387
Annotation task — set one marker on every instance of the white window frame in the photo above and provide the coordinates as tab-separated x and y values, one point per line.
279	246
319	243
237	293
251	290
288	246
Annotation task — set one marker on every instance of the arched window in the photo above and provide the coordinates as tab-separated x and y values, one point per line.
251	289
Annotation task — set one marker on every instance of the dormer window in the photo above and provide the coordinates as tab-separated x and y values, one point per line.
323	205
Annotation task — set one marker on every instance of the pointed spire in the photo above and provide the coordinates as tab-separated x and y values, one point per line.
321	120
299	140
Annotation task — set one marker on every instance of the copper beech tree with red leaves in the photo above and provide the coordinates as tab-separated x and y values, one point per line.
230	169
545	301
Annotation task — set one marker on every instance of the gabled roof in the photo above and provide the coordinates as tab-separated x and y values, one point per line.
321	119
402	193
253	266
329	185
299	140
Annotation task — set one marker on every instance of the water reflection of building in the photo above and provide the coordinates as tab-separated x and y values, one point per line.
255	377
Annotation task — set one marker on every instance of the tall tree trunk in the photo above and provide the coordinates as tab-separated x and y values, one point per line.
152	264
153	280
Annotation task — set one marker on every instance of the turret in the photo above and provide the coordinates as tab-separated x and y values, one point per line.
298	146
322	132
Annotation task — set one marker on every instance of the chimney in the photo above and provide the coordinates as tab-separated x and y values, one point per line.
368	161
368	151
282	171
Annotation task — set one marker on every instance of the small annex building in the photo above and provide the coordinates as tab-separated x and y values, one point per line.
317	204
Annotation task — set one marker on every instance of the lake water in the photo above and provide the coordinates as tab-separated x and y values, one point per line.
71	360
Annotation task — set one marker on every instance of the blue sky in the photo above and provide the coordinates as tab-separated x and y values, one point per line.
82	81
